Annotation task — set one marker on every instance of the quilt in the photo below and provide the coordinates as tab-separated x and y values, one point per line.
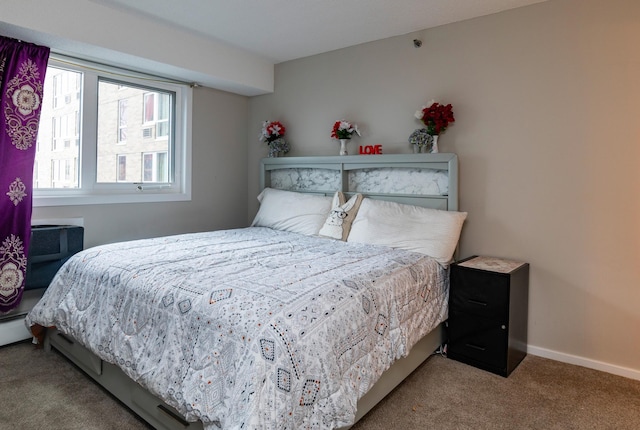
249	328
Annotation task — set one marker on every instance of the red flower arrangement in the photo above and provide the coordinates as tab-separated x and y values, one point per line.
344	130
436	117
271	130
273	133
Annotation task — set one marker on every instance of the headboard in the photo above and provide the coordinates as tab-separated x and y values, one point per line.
427	180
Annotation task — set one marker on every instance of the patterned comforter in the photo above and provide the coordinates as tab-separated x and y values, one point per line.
249	328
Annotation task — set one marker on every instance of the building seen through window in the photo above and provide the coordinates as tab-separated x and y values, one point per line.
131	138
58	146
133	134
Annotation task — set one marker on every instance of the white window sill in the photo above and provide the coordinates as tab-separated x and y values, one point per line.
99	199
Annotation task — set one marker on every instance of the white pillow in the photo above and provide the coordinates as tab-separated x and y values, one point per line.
292	211
338	223
429	231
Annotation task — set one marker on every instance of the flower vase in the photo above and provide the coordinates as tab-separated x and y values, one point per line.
434	144
343	146
273	151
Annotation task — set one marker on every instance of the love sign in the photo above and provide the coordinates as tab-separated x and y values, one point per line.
371	149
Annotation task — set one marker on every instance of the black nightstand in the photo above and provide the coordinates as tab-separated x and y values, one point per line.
488	307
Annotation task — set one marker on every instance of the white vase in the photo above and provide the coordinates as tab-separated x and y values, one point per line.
434	145
343	146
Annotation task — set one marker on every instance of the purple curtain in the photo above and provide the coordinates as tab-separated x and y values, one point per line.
22	70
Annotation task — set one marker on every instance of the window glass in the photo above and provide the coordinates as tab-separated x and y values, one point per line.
109	136
59	127
117	105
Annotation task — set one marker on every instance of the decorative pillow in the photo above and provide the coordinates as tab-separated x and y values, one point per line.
342	214
292	211
430	231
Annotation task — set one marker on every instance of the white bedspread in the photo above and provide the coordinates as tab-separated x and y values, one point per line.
249	328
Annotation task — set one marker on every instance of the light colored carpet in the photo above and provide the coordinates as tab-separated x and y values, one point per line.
41	390
44	391
539	394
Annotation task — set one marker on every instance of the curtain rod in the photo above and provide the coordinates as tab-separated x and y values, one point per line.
116	70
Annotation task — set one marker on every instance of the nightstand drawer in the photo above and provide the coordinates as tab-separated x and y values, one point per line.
480	293
478	339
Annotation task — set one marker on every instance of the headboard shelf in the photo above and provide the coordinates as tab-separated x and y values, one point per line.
429	180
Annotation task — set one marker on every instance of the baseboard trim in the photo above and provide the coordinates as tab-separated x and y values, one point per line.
13	330
12	326
584	362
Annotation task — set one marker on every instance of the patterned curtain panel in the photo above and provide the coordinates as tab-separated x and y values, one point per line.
22	70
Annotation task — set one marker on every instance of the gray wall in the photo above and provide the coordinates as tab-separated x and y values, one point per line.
219	182
547	102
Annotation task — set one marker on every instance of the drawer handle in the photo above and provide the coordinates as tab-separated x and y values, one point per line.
479	348
65	338
477	302
173	415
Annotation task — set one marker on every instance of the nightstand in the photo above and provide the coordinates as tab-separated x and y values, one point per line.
488	307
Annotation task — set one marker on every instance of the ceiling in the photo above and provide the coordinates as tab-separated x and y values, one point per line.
282	30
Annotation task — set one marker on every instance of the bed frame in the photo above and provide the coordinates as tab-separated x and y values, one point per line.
427	180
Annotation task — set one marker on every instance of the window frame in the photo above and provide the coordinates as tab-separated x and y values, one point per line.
90	191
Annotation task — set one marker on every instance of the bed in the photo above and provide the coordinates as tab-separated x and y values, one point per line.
305	319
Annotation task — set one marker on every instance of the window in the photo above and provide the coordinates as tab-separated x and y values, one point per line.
154	167
122	120
157	107
114	137
162	121
122	167
63	173
117	105
149	108
65	88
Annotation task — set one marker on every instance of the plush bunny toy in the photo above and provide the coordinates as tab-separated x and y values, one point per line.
339	221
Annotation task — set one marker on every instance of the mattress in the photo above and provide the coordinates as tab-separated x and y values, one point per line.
250	328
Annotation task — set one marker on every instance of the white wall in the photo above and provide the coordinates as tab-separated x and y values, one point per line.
547	101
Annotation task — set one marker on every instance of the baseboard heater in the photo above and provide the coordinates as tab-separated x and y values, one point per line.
51	246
